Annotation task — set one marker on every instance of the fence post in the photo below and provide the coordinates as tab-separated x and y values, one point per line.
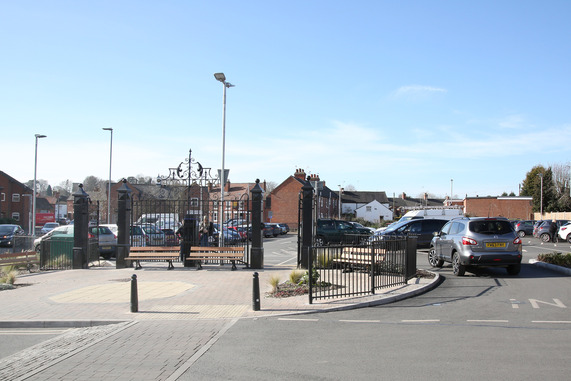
123	222
80	227
257	251
307	225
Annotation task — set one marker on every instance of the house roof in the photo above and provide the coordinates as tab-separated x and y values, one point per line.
349	197
13	180
409	202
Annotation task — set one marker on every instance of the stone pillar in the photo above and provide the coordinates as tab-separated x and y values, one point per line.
123	226
257	250
80	228
307	225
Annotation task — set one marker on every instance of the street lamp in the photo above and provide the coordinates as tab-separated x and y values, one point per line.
38	136
222	78
109	185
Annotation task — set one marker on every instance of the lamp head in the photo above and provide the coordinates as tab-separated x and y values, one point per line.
220	77
108	129
38	136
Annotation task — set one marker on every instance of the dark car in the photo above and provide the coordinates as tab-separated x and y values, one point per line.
543	233
422	229
477	242
267	229
523	228
337	231
8	233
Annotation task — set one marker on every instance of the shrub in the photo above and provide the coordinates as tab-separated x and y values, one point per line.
555	258
274	282
9	274
295	276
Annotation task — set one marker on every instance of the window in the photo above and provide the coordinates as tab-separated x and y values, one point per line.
194	202
16	216
2	196
369	209
15	197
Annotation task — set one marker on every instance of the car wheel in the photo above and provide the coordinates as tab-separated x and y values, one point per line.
106	256
458	268
545	237
521	233
514	269
569	238
433	259
37	248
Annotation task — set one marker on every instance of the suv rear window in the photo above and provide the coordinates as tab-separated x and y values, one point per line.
490	227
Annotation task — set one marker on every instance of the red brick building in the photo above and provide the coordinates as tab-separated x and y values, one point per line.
509	207
15	200
284	199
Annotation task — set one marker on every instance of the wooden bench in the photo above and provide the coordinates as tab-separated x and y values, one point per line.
25	258
154	253
202	253
358	256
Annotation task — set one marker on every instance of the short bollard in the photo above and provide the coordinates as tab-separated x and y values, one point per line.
256	293
134	297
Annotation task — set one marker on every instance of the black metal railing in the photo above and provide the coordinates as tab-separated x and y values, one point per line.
356	270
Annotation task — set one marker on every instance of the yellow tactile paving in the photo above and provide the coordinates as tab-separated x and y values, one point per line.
121	292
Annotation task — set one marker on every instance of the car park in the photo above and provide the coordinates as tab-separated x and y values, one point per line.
543	233
149	233
477	242
8	233
61	230
338	231
106	238
49	226
421	229
523	228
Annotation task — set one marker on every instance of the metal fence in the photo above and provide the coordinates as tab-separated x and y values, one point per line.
345	270
56	253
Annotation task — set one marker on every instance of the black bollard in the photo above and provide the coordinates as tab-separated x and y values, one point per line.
134	297
256	293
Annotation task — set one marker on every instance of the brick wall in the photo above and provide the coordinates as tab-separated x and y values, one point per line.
285	202
509	207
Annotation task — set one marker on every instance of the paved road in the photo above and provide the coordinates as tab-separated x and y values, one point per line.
471	326
486	325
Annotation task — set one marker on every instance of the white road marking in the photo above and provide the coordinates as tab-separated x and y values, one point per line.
295	319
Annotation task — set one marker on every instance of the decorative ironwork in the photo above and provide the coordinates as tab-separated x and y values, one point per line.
190	172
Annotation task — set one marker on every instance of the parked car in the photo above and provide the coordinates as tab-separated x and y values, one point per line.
107	240
146	235
48	227
277	230
241	230
231	236
536	226
285	228
361	226
267	230
8	233
477	242
338	231
61	230
565	232
543	233
523	228
422	229
170	237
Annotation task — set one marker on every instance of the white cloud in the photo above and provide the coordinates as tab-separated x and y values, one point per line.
414	92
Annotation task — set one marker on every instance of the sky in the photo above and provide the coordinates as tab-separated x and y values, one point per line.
433	97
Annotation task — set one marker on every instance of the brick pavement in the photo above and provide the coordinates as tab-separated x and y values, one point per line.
181	313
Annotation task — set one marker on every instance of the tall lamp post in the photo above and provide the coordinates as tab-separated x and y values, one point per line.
109	185
38	136
222	78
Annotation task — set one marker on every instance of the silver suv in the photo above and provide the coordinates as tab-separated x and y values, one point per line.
476	242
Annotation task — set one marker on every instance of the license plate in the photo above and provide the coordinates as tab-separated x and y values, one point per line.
495	244
105	247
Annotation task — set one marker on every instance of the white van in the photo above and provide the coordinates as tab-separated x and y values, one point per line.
439	213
